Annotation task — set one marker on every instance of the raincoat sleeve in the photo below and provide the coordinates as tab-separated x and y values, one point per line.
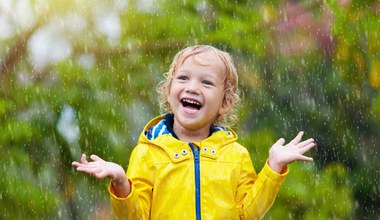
257	193
140	174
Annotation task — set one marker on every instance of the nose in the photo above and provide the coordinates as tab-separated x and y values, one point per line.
192	87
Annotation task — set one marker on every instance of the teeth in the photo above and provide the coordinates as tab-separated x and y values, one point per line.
191	102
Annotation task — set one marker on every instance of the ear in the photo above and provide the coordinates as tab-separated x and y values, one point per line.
226	105
166	88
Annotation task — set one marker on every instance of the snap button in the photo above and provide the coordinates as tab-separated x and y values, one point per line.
184	152
176	155
213	151
205	149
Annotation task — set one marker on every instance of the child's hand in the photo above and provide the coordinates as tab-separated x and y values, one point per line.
280	155
100	169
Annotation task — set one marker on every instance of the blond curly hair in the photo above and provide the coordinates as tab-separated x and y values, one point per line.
231	91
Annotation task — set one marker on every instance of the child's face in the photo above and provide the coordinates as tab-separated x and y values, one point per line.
197	92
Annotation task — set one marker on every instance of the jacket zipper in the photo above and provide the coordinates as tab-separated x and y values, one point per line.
197	182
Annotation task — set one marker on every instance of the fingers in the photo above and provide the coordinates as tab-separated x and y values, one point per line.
280	141
305	158
293	151
96	167
297	139
83	159
75	164
92	168
306	142
95	157
306	147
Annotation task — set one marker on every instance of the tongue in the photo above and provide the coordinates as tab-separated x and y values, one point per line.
190	109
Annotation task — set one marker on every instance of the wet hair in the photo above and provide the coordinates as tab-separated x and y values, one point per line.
231	92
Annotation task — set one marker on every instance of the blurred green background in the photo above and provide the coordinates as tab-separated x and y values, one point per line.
80	76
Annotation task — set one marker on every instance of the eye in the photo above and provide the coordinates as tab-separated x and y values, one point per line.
182	77
207	83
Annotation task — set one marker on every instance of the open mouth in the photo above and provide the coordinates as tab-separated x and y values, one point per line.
189	103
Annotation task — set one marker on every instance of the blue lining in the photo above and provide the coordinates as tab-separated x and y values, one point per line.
159	129
197	182
165	126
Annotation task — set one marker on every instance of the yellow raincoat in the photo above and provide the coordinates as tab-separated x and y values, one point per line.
211	179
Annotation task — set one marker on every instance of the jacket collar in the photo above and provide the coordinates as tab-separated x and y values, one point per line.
159	133
165	126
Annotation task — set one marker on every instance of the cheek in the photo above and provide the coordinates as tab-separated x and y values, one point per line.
172	94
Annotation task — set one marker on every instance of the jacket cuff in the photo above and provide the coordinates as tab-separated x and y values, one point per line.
273	174
111	191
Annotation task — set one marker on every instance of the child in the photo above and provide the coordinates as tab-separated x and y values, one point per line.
186	165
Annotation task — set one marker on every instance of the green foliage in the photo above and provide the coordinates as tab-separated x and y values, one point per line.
303	65
26	193
329	188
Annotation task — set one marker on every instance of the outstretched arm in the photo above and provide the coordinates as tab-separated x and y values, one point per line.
280	155
100	169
